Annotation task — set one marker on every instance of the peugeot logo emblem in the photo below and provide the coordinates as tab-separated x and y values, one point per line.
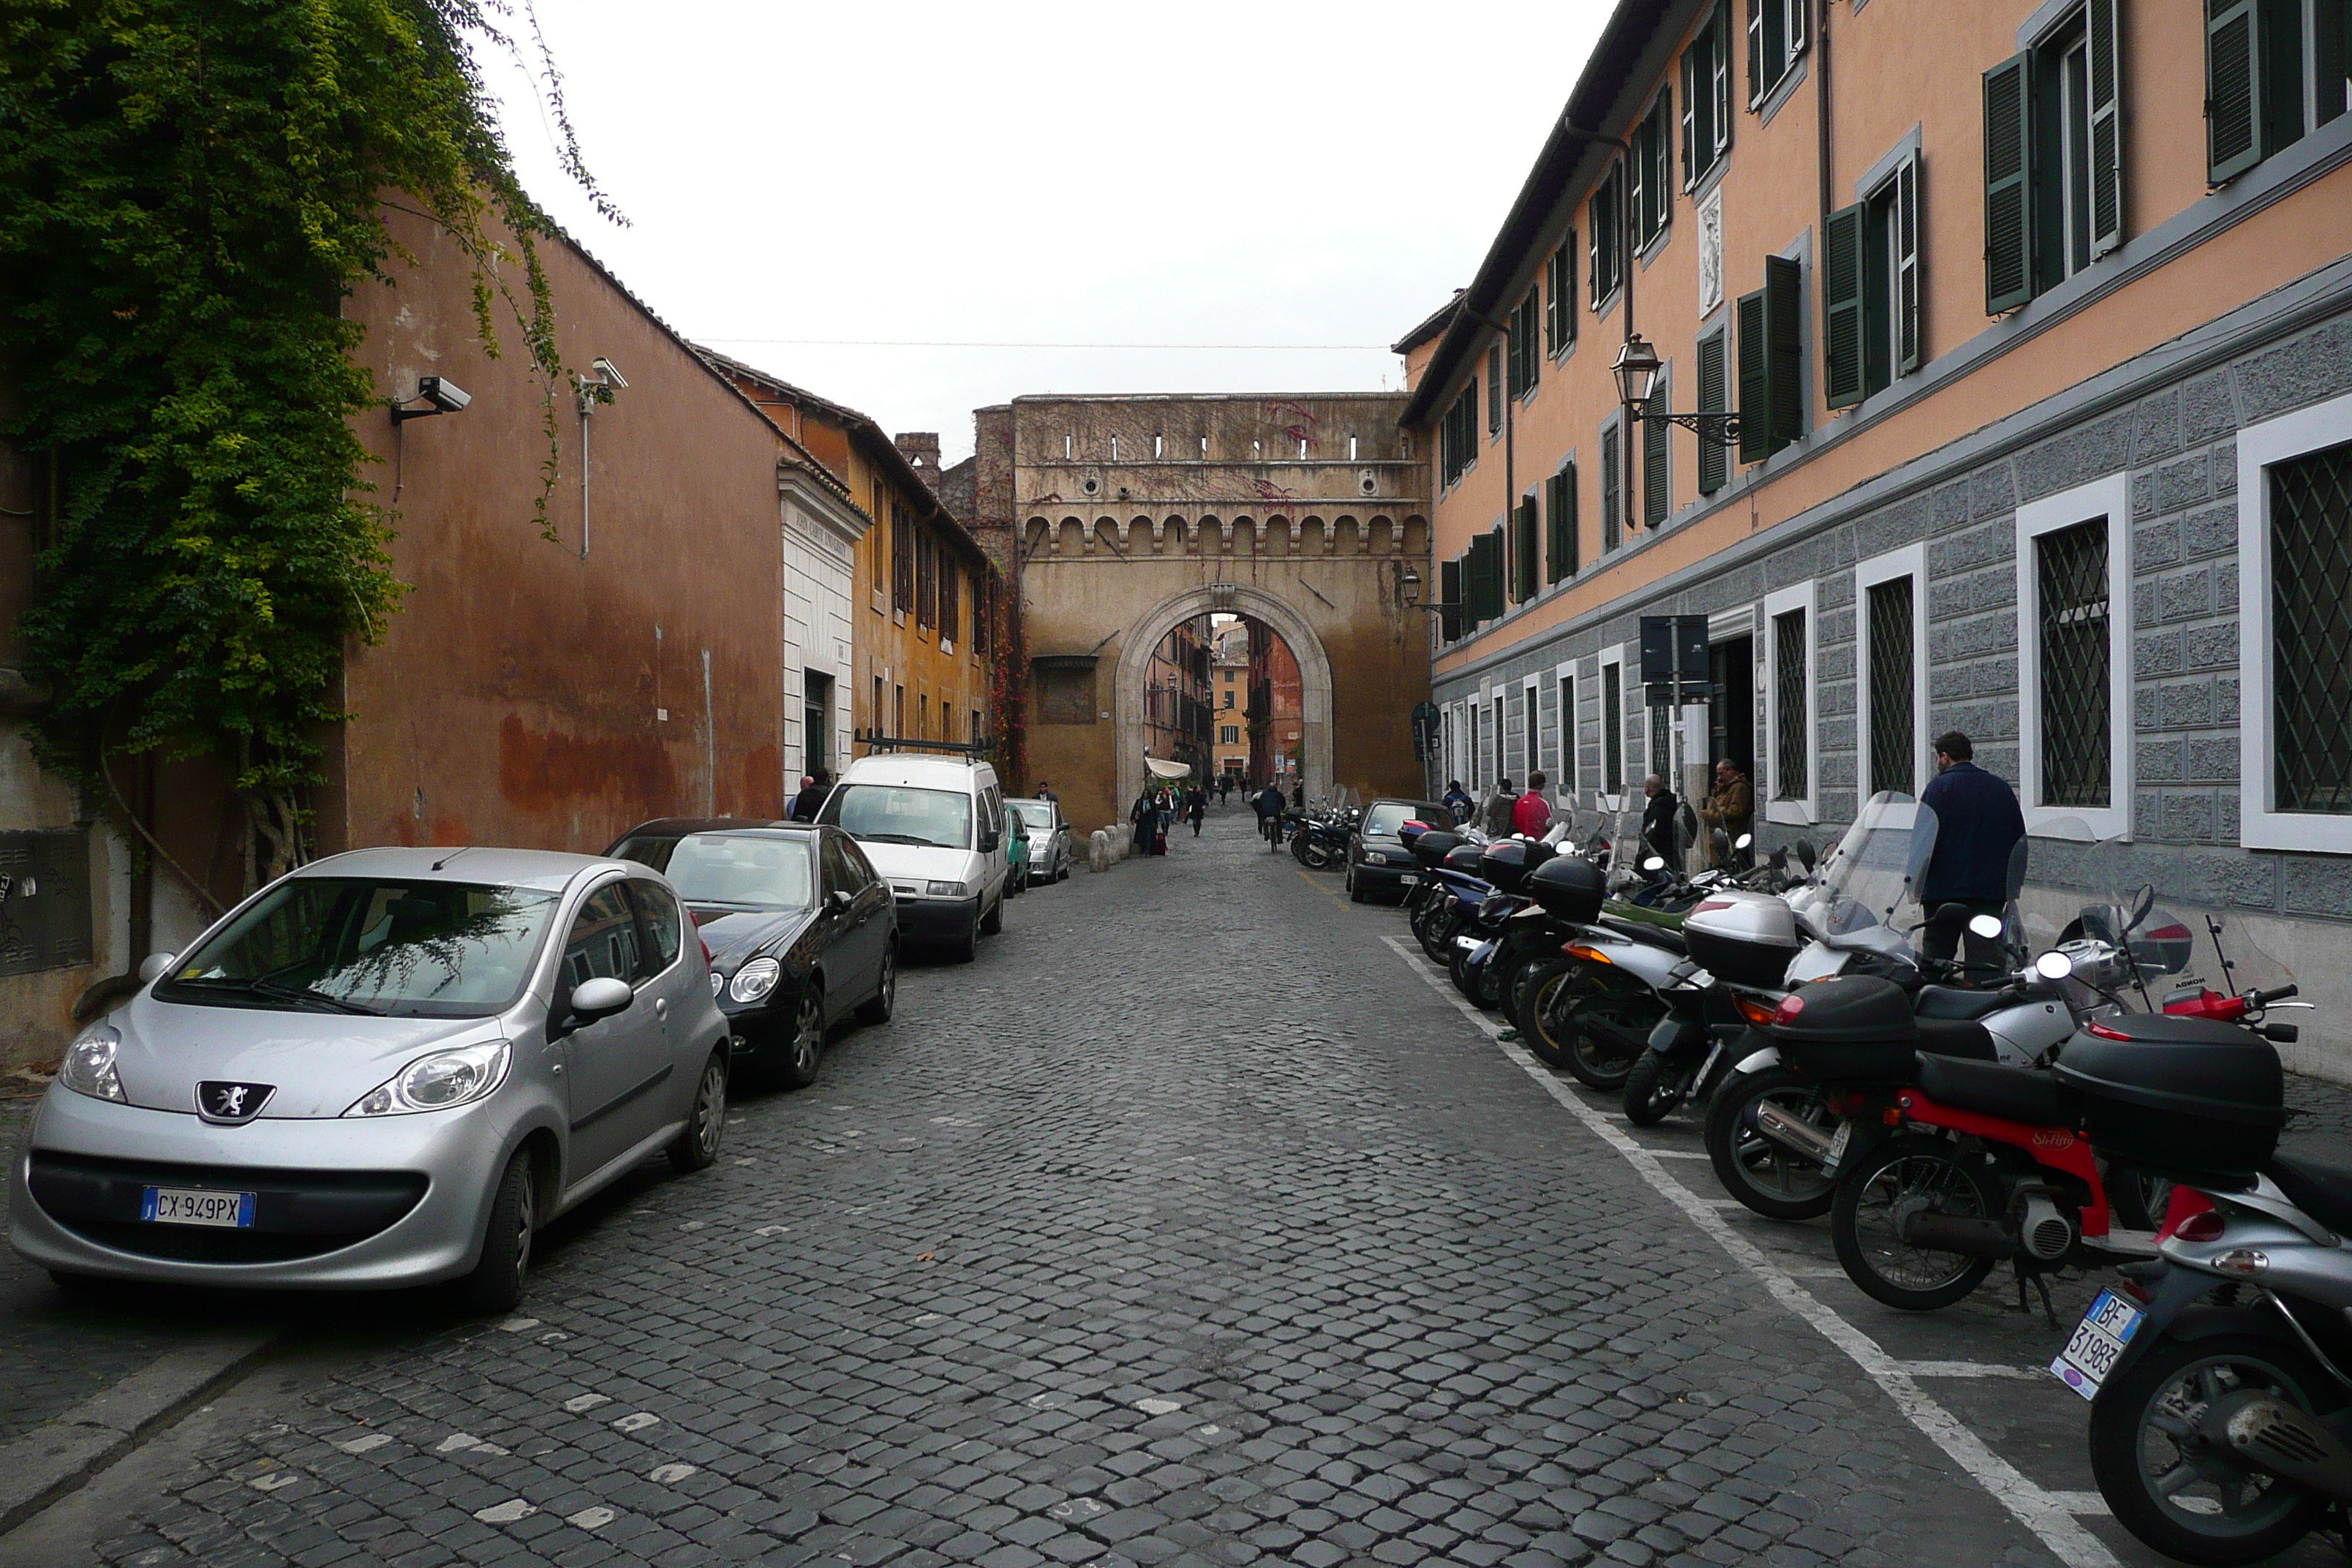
231	1102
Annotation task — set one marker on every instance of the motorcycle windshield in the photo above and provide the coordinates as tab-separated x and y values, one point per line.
1867	879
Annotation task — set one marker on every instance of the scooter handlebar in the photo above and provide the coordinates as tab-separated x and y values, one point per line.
2277	993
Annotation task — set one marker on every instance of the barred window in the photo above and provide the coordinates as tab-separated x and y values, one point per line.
1662	758
2072	567
1893	760
1612	727
1790	779
1567	780
1535	729
2311	630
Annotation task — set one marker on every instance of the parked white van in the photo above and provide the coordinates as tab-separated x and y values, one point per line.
934	828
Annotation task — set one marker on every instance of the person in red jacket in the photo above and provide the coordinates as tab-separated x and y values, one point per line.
1531	813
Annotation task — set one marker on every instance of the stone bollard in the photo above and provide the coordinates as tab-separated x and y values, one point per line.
1099	851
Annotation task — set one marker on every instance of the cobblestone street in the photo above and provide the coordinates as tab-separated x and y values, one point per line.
1191	1225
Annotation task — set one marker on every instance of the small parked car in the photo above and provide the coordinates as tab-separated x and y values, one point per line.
801	931
934	826
1378	861
1049	838
389	1068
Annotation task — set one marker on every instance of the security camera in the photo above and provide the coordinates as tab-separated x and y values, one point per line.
445	394
609	374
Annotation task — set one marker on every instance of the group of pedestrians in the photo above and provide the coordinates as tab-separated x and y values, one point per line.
1157	811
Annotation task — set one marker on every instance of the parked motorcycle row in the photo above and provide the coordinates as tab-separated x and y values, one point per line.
1955	1092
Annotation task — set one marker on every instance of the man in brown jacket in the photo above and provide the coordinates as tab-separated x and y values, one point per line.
1731	807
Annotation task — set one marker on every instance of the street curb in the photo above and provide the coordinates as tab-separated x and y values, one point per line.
45	1464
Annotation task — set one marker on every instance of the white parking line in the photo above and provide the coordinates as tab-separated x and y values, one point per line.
1972	1369
2047	1514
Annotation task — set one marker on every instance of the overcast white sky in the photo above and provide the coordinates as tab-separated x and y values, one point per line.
1219	174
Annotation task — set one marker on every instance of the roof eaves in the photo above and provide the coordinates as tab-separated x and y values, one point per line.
1436	321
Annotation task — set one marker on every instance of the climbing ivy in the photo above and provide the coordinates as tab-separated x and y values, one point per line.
188	190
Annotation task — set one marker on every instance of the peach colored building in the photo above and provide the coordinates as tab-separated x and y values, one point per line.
2036	319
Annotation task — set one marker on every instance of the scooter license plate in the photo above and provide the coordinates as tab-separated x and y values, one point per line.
2099	1342
1468	943
1838	1146
1409	881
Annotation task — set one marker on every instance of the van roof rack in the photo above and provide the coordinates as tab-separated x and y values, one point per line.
881	744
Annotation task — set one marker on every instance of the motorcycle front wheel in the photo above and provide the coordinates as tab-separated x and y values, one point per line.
1774	1182
1653	1087
1607	1027
1316	857
1915	1174
1532	1009
2181	1493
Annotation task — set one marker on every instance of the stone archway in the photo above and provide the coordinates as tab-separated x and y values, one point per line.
1235	598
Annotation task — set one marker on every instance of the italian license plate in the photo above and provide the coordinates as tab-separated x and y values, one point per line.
1468	943
2098	1344
195	1205
1838	1146
1409	881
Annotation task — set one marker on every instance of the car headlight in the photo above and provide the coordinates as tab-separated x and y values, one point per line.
718	982
755	980
438	1082
944	890
89	1067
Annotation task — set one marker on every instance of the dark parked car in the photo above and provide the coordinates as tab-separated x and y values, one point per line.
1378	861
801	930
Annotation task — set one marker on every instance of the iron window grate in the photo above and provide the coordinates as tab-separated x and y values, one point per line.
1891	759
1790	772
2075	650
1612	728
2311	631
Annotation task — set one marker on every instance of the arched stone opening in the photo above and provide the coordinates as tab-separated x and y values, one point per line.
1206	598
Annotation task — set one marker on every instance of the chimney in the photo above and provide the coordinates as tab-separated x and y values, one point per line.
921	447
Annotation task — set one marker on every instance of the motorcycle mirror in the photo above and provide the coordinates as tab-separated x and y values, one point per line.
2053	965
1655	863
1806	855
1743	841
1985	926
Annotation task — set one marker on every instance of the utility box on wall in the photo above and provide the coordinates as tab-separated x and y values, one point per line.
44	899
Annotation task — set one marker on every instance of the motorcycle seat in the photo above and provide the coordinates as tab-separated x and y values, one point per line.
1963	1038
1993	1089
1951	1002
1654	936
2321	1187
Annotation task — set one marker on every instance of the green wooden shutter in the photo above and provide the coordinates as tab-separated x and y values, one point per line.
1449	599
1551	529
1523	552
1714	457
1612	490
1842	373
1755	382
2104	46
1571	543
1907	268
1657	461
1722	82
2232	90
2008	204
1493	388
1784	283
1482	583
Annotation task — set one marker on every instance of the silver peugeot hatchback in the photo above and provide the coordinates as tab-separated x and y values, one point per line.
387	1069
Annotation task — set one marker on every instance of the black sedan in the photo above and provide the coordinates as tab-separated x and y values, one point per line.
1378	861
801	930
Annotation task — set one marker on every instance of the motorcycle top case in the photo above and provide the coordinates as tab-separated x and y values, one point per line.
2174	1096
1433	845
1747	939
1507	861
1570	887
1856	1027
1461	857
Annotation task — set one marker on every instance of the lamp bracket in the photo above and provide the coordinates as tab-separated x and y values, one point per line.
1723	429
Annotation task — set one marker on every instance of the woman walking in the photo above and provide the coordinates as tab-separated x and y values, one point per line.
1200	808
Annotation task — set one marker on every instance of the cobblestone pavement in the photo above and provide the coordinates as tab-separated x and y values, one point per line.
1191	1225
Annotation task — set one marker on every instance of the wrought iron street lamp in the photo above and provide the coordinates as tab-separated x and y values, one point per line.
1636	369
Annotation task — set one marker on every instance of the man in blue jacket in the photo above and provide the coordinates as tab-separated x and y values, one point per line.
1978	825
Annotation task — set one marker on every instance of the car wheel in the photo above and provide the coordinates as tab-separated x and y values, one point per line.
84	1289
992	923
804	1048
1063	874
697	1146
877	1008
1355	889
496	1283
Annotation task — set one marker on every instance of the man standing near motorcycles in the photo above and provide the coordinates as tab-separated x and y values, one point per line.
1458	801
1494	814
1531	815
1977	823
1658	820
1732	807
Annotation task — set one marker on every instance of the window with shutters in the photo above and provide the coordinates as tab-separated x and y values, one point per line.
1521	339
1613	492
927	581
1714	397
1482	578
1561	541
1768	327
1457	434
1612	726
1870	291
1776	38
1652	194
2275	70
1564	776
1523	551
1450	580
1657	459
1494	390
902	560
1604	217
2053	156
1706	97
1559	297
951	599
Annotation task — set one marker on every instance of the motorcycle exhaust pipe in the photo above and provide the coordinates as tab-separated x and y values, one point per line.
2273	1435
1958	1233
2046	1233
1800	1138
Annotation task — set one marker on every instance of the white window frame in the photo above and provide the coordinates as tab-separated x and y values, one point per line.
1910	560
2104	501
1567	780
1804	811
2259	824
1470	734
1626	751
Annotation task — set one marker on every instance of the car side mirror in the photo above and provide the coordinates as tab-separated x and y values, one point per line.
155	965
988	842
595	1000
839	899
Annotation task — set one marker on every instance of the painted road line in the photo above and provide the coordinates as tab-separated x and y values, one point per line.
1973	1369
2039	1511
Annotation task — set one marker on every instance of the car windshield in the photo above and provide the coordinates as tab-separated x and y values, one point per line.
364	944
743	870
899	813
1037	814
1387	818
